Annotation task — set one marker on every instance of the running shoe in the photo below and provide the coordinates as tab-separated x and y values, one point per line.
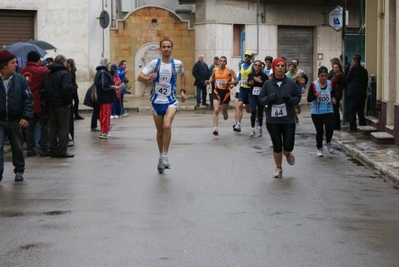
278	173
124	115
252	133
160	166
165	162
225	116
298	109
215	132
259	131
105	136
237	128
320	152
330	147
291	159
112	117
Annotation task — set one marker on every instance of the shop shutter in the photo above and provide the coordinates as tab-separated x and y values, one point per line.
297	42
16	26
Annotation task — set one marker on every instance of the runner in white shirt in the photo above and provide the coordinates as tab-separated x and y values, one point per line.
163	73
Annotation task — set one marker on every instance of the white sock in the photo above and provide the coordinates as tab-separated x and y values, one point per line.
164	154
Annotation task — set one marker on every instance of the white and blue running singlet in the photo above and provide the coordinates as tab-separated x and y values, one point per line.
164	85
323	103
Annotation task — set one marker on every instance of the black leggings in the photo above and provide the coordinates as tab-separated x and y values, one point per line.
282	134
75	98
326	120
253	101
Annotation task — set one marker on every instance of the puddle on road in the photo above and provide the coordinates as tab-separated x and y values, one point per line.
27	247
11	214
355	161
55	212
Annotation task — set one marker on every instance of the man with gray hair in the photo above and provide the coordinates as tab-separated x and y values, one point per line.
106	95
201	73
59	90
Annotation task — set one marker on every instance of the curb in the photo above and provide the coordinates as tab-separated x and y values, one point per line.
363	158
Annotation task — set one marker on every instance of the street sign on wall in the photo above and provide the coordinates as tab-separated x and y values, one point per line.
335	18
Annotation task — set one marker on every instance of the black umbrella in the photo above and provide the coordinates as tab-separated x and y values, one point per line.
22	49
42	44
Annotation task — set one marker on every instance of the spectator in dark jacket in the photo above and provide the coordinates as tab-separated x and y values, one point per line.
201	73
34	72
345	66
59	90
357	80
71	68
16	109
106	94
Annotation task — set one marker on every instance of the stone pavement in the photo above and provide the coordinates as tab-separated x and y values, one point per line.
355	145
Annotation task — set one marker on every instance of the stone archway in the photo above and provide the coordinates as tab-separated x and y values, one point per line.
136	39
144	55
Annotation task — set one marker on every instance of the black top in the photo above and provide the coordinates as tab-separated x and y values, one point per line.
59	86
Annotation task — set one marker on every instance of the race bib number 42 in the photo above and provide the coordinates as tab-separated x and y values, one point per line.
279	110
163	89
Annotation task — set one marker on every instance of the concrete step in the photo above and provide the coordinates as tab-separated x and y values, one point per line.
382	138
366	129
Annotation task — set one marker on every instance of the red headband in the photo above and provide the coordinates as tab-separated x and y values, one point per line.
277	60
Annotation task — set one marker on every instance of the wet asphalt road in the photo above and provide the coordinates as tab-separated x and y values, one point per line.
216	206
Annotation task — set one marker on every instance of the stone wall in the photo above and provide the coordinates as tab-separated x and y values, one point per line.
147	26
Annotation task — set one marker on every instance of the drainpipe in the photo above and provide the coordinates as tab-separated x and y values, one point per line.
257	28
360	27
343	28
343	51
102	55
242	45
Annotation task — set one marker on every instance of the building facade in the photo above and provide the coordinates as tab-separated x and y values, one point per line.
293	29
71	26
382	37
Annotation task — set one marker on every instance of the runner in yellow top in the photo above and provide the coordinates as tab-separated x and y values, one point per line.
245	89
224	79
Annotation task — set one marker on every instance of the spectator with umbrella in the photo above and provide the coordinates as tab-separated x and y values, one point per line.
34	72
21	50
42	44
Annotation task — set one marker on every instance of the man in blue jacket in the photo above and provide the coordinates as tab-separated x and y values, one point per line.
16	109
122	70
